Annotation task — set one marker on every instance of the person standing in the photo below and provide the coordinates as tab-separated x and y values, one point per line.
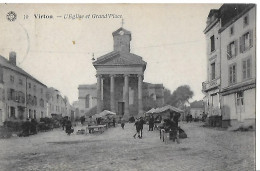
137	128
69	127
114	122
122	124
151	123
141	126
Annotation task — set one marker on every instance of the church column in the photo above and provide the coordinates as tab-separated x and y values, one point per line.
140	95
98	93
112	93
126	96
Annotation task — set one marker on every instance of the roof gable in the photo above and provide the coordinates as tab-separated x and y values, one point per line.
117	58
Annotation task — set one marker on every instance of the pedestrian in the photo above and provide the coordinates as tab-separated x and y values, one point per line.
187	118
137	128
151	123
114	122
141	125
190	118
69	129
122	124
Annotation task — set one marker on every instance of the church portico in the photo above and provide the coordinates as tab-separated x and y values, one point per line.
120	93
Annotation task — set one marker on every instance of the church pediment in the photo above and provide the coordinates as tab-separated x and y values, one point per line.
116	61
116	58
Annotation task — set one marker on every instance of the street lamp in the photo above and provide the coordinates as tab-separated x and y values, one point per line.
93	59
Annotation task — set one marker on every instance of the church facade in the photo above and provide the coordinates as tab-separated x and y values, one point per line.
120	87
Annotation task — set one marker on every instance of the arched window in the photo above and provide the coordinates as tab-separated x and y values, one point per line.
87	101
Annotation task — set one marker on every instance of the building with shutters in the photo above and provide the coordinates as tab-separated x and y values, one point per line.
22	96
235	54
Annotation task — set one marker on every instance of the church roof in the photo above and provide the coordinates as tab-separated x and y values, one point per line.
121	29
116	58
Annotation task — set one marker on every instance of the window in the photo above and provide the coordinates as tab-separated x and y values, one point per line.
34	114
30	114
212	43
20	81
246	20
232	49
35	100
41	90
41	114
1	74
11	78
11	94
12	112
29	85
34	87
240	98
246	68
246	41
231	30
20	97
232	74
41	102
87	101
213	68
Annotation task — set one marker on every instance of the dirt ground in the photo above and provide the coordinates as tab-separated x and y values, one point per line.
116	149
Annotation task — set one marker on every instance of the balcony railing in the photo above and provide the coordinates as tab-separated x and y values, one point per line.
208	85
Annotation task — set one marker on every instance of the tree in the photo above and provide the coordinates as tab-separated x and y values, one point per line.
66	100
167	95
149	103
180	96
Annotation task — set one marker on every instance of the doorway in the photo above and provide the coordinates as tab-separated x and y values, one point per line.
121	108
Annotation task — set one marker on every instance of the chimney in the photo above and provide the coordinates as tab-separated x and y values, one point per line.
12	58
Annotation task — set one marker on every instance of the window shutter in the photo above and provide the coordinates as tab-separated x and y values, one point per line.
230	74
248	68
251	38
235	42
228	52
241	44
244	69
234	72
9	94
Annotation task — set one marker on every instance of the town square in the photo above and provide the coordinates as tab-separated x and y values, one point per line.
134	87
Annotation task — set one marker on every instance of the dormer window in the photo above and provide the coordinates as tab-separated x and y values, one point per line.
231	30
246	20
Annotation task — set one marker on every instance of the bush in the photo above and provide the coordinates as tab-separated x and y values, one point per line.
14	126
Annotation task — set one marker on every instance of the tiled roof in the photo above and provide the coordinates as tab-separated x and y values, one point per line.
5	63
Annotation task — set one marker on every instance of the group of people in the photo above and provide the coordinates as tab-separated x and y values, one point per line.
66	123
139	125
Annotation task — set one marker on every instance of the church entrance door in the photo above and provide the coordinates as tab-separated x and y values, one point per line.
121	108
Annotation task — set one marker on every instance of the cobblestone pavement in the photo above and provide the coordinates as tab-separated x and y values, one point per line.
205	149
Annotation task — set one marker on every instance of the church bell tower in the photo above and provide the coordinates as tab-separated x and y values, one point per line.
122	39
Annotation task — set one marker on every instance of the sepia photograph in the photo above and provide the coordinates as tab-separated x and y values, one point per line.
128	86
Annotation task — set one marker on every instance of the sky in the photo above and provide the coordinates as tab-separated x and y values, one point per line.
58	51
